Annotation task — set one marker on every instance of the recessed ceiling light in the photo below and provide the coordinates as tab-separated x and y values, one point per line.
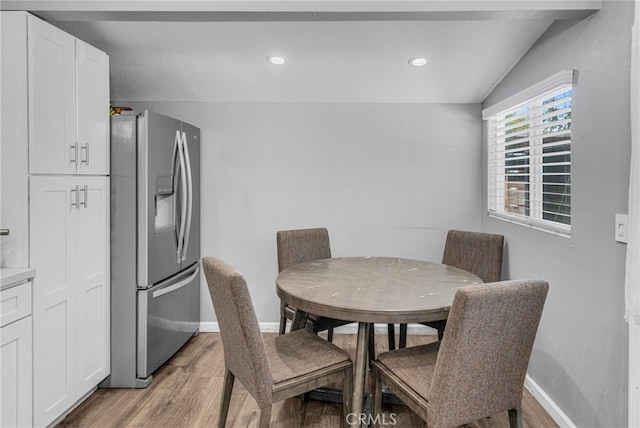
276	60
417	62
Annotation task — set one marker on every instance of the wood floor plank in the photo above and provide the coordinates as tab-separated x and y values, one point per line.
186	393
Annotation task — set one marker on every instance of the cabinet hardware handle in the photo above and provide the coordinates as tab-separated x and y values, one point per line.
74	154
4	232
86	154
86	196
75	197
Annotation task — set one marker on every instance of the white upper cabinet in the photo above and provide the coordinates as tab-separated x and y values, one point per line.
68	103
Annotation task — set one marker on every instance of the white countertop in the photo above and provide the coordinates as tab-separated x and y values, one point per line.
10	276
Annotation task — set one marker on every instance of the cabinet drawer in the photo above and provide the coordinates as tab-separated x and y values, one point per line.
15	303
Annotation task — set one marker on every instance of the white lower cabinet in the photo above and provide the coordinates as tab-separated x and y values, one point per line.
69	244
16	356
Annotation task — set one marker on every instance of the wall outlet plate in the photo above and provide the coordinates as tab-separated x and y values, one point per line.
621	228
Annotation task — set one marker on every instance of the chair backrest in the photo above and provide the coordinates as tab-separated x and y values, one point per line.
478	253
244	351
302	245
483	357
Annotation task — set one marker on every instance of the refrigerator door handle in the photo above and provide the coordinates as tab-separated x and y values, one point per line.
189	196
182	194
177	285
175	171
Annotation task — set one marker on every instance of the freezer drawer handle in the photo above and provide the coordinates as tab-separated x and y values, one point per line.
177	285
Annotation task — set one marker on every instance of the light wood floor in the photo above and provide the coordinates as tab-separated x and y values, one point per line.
186	393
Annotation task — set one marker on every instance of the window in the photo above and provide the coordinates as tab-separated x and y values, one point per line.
529	156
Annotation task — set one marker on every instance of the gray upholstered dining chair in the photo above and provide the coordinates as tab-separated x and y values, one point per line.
299	246
475	252
272	368
479	367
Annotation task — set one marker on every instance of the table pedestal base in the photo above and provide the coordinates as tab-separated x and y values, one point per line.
331	395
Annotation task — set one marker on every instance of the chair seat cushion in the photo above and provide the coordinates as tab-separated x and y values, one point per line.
414	365
300	352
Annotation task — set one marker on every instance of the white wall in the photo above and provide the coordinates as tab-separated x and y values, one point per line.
14	168
385	179
580	355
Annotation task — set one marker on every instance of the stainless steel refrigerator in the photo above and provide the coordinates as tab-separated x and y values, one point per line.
155	243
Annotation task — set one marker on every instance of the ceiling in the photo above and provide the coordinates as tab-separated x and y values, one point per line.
353	51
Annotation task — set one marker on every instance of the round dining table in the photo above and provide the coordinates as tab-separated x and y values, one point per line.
370	290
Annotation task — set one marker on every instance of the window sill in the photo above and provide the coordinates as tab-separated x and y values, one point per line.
541	225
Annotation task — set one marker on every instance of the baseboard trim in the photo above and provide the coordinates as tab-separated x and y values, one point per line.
548	404
273	327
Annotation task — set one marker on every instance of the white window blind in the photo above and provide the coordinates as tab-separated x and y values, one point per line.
529	156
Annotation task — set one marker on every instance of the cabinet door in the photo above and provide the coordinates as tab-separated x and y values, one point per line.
52	145
15	374
93	291
92	109
53	212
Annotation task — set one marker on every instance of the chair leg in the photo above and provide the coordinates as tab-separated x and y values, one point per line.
440	333
299	320
403	336
371	350
330	334
347	392
377	399
283	325
265	417
515	418
283	319
391	331
226	397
